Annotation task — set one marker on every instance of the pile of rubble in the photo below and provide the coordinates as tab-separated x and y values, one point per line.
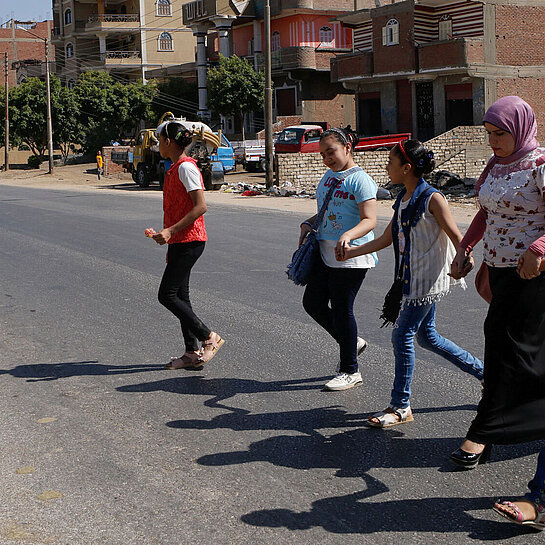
451	185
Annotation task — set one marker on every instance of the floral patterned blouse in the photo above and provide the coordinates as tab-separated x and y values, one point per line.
513	198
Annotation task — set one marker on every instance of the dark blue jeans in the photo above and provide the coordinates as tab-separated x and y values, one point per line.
329	300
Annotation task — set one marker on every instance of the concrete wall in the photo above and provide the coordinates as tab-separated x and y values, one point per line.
462	150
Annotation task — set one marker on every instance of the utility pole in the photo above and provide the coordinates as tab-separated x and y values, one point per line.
6	143
49	123
268	98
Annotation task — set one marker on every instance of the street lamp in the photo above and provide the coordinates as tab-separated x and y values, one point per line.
48	94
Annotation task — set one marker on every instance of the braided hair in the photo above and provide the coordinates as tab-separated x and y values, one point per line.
178	133
414	153
344	135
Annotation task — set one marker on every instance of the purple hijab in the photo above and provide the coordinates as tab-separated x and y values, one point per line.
516	117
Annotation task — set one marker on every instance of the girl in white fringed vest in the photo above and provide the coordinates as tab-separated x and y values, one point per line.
429	245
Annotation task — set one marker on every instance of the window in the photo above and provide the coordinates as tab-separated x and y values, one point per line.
390	33
68	17
69	50
250	47
445	28
163	8
275	41
165	42
326	35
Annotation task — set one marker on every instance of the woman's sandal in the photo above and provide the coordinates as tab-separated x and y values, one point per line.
517	516
189	359
391	416
210	347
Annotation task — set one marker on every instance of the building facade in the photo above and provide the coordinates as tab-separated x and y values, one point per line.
24	42
123	37
304	39
426	66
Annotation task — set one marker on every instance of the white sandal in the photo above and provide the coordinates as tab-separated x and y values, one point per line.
391	416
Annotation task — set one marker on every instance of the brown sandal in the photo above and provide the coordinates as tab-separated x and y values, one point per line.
210	347
189	359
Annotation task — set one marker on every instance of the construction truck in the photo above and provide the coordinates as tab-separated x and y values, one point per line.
147	165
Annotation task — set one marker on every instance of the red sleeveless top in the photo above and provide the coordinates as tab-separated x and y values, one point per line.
177	203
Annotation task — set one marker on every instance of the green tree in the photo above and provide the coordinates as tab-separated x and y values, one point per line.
235	88
110	110
68	129
28	114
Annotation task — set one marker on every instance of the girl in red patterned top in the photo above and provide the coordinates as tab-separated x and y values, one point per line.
185	233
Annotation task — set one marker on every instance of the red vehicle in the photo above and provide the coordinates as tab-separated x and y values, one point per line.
306	139
299	138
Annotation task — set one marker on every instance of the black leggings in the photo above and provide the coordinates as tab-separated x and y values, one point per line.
338	287
174	291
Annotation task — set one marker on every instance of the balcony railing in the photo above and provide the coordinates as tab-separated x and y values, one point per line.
456	53
109	55
351	65
114	18
300	58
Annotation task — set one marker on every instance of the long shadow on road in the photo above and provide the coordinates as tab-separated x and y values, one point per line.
331	438
38	372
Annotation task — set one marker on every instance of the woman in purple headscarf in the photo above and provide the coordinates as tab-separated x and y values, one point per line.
511	222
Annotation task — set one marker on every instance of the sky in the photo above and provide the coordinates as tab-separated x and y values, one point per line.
34	10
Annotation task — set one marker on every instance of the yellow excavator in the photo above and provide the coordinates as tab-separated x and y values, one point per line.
147	165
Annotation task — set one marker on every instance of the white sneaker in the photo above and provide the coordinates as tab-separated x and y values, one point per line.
344	381
361	345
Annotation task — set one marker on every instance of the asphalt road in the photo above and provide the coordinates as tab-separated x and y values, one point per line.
101	445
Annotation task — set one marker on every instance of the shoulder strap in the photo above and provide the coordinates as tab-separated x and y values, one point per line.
323	209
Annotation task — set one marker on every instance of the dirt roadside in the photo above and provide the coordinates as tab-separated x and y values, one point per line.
83	177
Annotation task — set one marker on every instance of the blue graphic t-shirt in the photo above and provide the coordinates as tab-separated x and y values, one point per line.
342	211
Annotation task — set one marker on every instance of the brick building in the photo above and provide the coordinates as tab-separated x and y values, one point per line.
23	48
304	39
123	37
426	66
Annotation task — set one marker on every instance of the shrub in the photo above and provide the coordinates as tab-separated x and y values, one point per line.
34	161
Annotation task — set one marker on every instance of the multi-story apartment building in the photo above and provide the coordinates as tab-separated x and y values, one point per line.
123	37
304	39
426	66
24	43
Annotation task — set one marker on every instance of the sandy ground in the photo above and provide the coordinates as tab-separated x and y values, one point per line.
83	177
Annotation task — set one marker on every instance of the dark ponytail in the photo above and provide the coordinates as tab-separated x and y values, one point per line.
414	152
178	133
344	135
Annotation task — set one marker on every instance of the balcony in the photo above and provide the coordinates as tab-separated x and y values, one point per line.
121	58
352	65
113	23
300	58
277	6
450	54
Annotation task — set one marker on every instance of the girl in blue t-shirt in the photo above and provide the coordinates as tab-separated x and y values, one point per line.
349	220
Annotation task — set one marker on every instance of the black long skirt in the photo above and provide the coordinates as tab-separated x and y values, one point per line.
512	409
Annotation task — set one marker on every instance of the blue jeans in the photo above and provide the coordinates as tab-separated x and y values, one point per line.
537	484
419	320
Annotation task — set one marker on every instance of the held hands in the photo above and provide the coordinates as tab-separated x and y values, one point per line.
343	250
530	265
462	265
